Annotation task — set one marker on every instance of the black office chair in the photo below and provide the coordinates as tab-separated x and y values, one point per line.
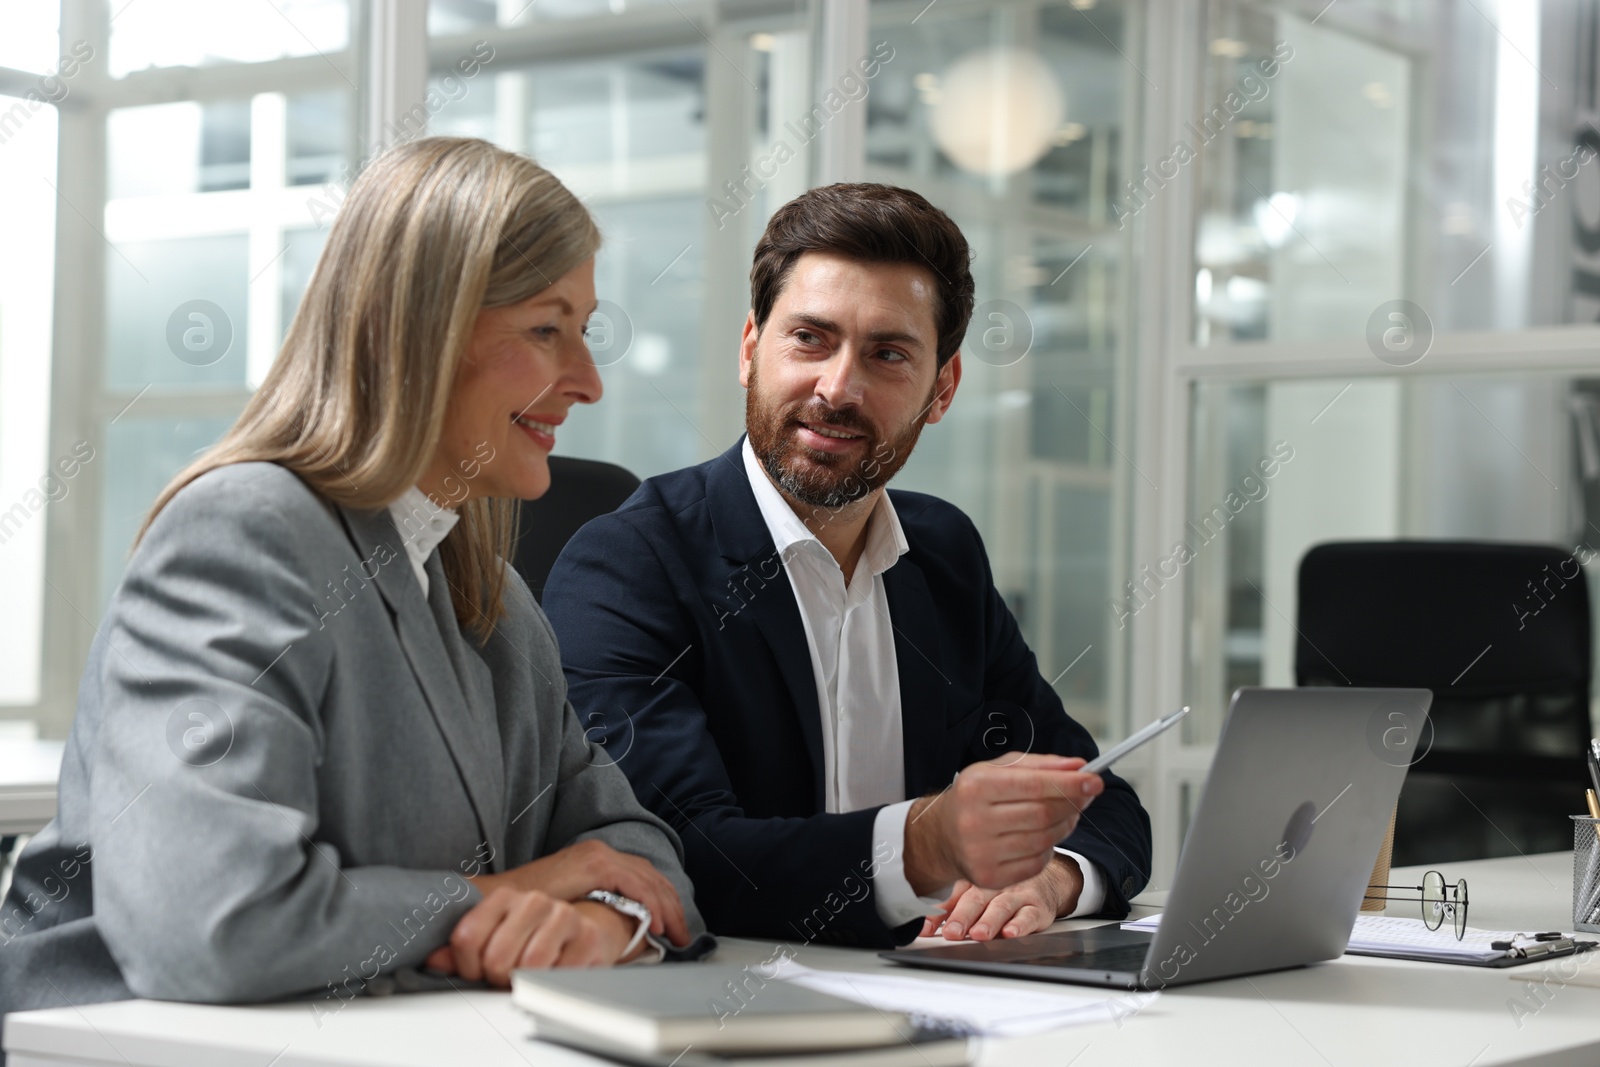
580	490
1500	633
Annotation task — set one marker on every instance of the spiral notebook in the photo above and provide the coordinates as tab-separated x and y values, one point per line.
1396	938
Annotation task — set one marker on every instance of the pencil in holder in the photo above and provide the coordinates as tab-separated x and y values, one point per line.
1585	874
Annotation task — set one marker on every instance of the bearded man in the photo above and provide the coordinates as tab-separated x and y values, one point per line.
812	678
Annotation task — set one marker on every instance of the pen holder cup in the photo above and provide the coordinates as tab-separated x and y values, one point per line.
1374	899
1585	874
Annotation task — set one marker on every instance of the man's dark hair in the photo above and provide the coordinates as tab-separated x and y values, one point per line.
874	224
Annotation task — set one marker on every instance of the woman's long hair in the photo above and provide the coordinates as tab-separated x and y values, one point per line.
431	233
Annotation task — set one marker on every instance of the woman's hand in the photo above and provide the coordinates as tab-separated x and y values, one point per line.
575	871
513	928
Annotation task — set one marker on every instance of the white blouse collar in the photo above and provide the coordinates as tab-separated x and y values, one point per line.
422	525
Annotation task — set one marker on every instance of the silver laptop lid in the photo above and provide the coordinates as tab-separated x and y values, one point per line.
1288	827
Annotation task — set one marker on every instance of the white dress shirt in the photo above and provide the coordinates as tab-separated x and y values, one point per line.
422	525
851	642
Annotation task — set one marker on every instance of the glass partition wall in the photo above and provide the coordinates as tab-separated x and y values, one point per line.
31	56
1019	119
179	148
1014	117
1391	283
208	154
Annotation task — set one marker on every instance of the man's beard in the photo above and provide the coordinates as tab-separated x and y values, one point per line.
825	479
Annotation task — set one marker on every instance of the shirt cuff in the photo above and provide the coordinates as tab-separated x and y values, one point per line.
897	902
655	950
1093	895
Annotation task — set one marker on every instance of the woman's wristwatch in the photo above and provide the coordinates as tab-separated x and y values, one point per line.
634	910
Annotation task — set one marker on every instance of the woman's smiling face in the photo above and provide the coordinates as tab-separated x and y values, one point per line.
526	365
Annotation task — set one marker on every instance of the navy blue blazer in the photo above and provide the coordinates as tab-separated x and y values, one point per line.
686	657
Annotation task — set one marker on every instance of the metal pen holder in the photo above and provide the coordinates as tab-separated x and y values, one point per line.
1585	874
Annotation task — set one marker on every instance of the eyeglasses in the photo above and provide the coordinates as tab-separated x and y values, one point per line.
1439	901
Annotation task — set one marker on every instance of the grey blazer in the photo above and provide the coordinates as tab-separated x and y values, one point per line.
285	759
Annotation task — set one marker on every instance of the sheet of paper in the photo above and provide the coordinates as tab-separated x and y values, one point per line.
1389	934
1380	933
992	1011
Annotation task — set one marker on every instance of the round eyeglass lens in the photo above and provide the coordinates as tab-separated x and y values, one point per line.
1460	909
1432	899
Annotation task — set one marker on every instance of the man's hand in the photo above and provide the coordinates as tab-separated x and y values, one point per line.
575	871
513	928
1024	908
997	824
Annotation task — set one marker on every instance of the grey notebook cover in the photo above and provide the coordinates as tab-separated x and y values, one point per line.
697	991
917	1050
714	1006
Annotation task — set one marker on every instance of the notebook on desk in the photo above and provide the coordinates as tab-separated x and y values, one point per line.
703	1015
1396	938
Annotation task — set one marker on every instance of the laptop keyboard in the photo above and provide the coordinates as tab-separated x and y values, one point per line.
1114	958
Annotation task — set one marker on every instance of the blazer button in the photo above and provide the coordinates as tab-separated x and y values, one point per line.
1127	886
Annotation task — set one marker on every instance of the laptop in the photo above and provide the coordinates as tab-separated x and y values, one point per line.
1276	859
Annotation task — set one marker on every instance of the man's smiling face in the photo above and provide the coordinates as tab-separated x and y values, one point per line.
843	376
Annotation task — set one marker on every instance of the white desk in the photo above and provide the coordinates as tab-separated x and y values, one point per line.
28	773
1353	1011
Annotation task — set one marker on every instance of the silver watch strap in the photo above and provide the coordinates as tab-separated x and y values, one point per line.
631	908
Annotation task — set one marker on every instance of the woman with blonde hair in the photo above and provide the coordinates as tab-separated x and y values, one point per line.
322	741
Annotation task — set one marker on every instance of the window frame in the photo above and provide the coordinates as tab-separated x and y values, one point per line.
82	405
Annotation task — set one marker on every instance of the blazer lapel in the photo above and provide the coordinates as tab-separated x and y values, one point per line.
758	589
777	616
419	631
922	684
477	726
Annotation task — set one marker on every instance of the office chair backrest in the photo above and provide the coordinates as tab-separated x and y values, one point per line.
580	490
1501	634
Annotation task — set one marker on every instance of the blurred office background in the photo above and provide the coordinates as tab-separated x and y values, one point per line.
1187	216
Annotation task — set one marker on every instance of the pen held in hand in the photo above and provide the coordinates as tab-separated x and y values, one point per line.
1149	733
